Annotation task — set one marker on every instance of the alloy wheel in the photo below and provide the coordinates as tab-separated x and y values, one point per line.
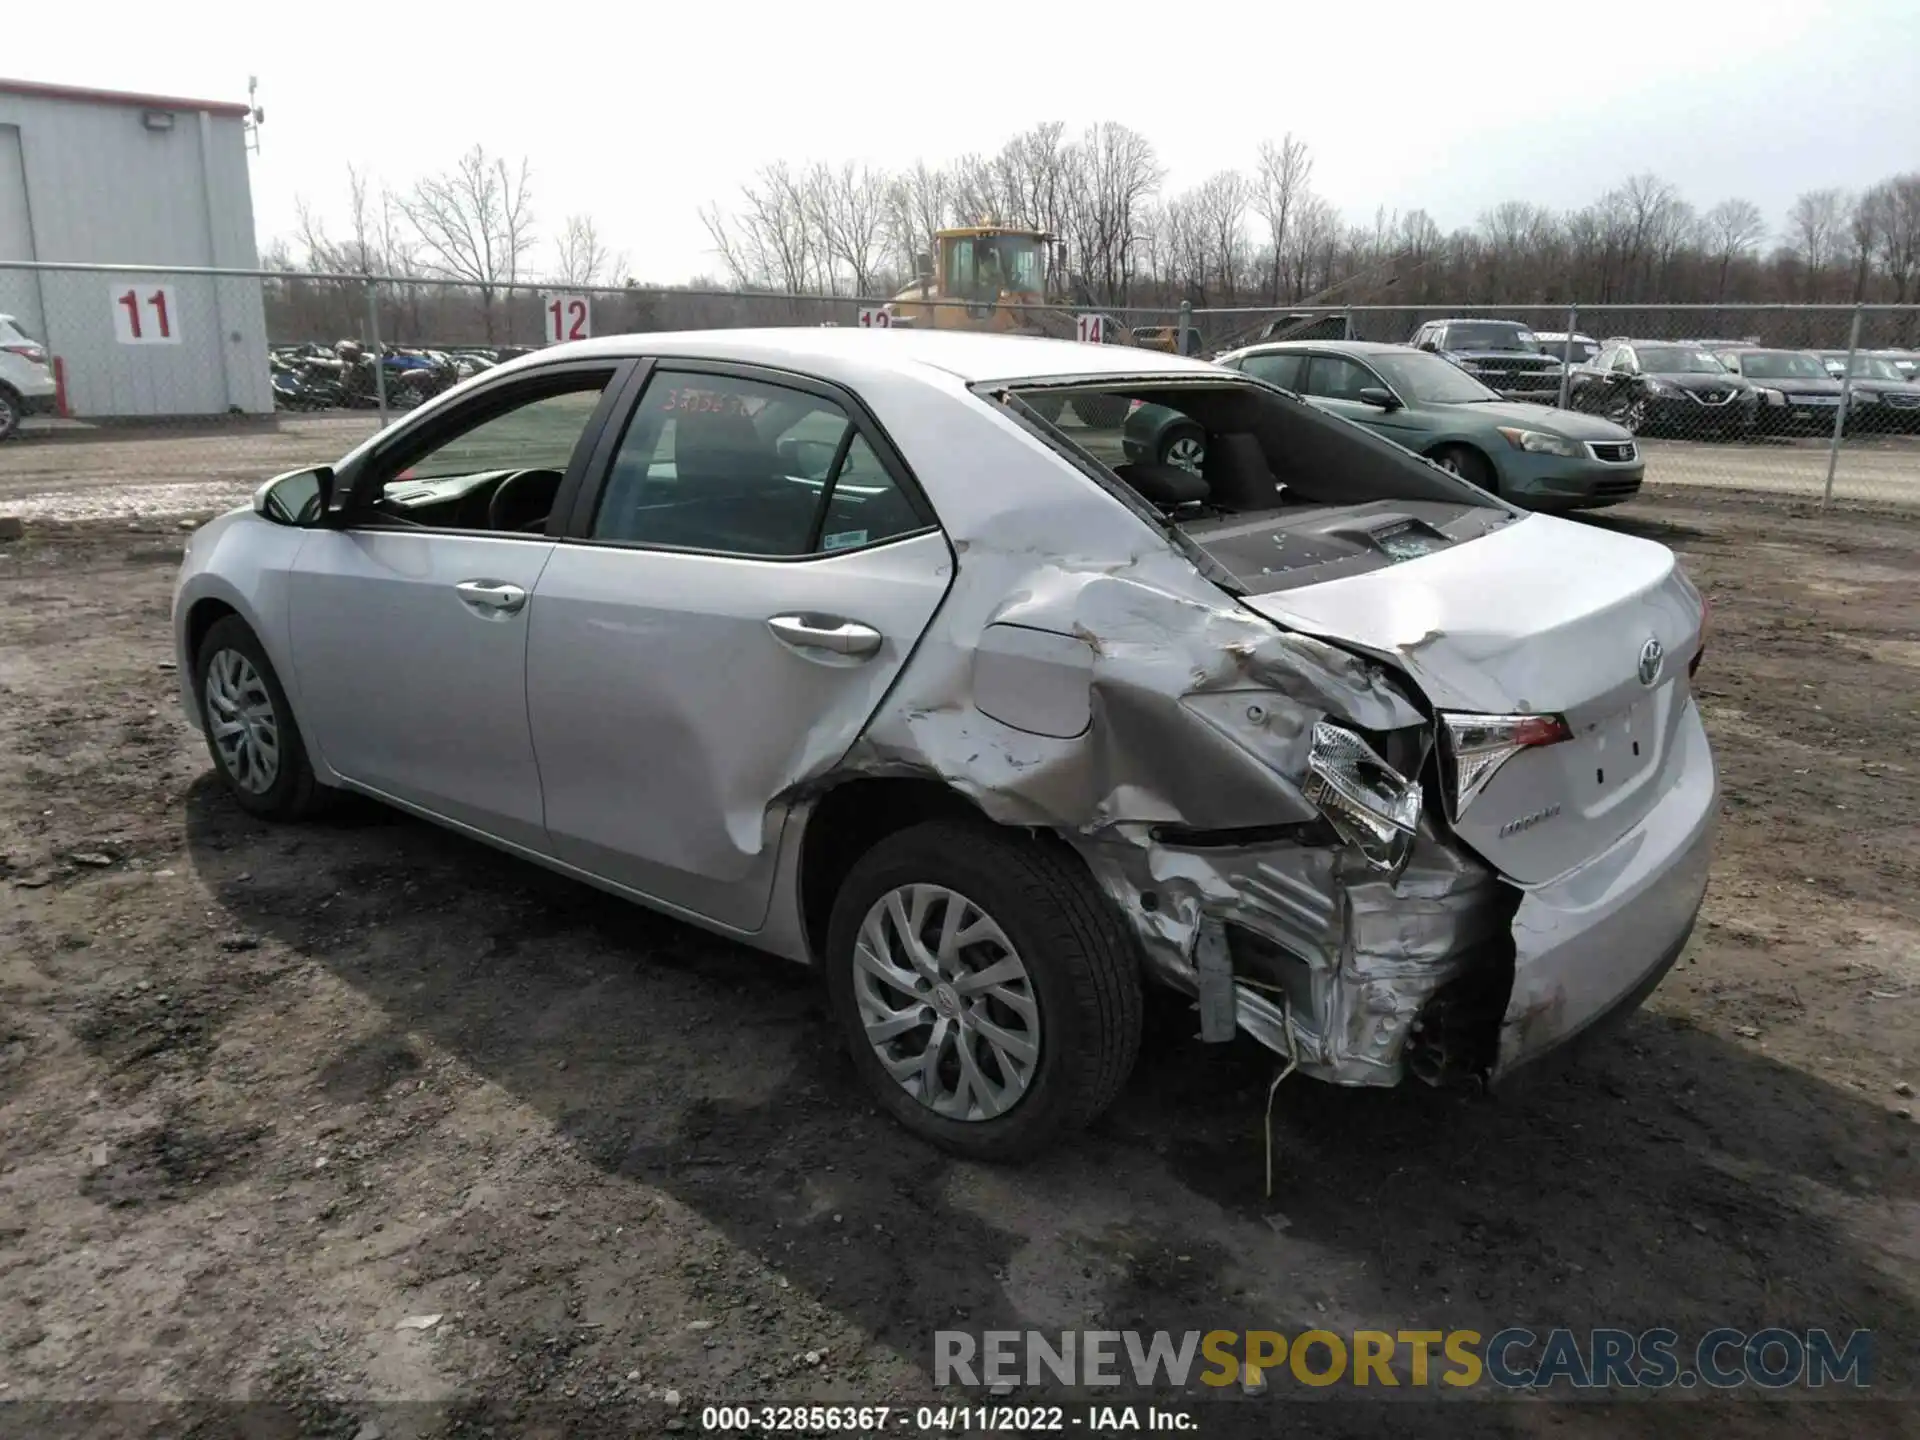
1189	452
947	1002
242	722
8	417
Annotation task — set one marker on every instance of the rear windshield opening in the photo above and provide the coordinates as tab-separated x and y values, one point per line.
1268	487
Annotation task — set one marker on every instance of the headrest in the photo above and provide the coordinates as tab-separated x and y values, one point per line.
1164	485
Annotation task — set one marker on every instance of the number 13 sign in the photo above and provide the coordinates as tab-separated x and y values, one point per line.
145	315
569	317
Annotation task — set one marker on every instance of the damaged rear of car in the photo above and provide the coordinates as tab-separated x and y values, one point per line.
830	641
1395	778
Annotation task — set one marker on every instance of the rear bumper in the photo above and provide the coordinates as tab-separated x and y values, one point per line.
1594	943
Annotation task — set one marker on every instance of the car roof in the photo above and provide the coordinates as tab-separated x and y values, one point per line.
840	352
1477	320
1351	347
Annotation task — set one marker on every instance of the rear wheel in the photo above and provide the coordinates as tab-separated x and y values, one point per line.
986	989
251	733
1470	465
9	413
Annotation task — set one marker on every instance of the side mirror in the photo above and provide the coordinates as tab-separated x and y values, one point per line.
1385	399
298	498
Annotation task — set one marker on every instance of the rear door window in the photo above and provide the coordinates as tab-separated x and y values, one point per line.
1281	369
746	467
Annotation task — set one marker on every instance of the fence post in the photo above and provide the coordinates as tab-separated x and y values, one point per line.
1566	354
1840	415
373	348
1186	326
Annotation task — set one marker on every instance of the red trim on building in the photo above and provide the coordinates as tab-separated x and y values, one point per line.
120	97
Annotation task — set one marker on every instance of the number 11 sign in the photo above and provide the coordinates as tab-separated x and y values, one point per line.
568	318
145	315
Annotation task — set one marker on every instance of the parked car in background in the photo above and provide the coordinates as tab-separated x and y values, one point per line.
1653	386
1003	733
1500	353
1532	455
1576	348
1796	394
1896	397
27	385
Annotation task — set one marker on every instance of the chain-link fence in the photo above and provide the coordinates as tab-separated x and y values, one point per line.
162	389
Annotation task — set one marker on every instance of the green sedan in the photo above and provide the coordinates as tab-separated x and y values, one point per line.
1532	455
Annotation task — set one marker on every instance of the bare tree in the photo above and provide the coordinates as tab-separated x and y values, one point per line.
1117	173
919	203
771	242
1223	199
475	223
1279	188
1815	227
847	210
1897	202
1732	229
583	259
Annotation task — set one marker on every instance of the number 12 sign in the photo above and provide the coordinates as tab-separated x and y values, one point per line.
145	315
569	317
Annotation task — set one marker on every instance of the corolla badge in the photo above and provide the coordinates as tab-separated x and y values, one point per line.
1651	655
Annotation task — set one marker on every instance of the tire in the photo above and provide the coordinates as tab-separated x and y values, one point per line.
9	413
247	677
1100	412
1079	976
1470	465
1630	413
1185	446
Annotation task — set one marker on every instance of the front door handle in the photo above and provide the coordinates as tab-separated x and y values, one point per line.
492	595
826	632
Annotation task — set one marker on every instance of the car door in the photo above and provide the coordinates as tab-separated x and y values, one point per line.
734	599
409	618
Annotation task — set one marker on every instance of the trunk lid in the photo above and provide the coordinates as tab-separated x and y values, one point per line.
1544	616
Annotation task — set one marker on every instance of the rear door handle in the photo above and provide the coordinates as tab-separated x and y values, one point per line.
492	595
826	632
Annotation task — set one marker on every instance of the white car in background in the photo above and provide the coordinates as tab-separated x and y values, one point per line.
830	641
26	380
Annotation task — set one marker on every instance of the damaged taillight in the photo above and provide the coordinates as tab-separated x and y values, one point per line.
1478	745
1372	806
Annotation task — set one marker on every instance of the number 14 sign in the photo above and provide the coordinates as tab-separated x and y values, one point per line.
145	315
568	318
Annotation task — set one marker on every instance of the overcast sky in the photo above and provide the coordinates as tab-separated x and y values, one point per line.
638	114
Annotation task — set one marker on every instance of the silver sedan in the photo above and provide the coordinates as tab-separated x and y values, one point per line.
861	648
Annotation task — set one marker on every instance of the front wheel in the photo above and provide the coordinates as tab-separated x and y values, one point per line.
1629	412
251	734
1470	465
989	994
1185	446
9	413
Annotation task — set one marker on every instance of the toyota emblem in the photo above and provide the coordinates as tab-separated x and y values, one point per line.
1651	654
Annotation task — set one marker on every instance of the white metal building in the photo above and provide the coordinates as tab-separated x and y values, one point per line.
100	176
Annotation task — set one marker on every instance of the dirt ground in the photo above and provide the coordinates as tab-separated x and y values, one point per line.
267	1092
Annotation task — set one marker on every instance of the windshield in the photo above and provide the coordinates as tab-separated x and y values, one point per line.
1577	351
1783	365
1490	335
1422	379
988	266
1677	360
1868	367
